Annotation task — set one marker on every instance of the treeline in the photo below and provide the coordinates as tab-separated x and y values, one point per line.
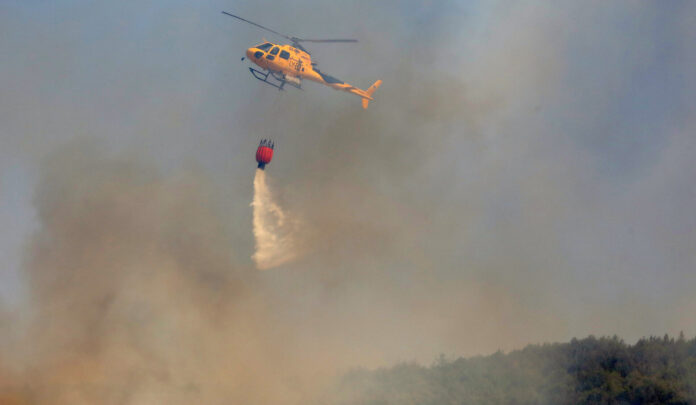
588	371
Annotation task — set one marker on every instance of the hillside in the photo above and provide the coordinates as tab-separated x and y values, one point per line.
587	371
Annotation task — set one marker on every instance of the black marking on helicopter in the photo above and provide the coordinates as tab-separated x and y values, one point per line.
328	78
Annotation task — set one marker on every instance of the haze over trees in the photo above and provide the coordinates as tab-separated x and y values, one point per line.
587	371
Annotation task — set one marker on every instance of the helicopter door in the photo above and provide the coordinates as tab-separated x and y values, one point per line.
271	55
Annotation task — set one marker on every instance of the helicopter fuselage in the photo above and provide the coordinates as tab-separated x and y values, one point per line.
295	64
284	59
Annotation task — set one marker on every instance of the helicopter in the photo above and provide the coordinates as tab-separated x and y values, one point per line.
289	64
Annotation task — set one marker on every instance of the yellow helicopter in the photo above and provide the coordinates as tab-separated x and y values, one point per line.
289	64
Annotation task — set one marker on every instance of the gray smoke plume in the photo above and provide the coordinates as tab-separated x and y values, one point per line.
136	298
511	183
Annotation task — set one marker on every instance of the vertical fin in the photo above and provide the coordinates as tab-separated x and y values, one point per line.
370	91
374	87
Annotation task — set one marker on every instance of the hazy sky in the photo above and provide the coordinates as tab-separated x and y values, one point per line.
525	174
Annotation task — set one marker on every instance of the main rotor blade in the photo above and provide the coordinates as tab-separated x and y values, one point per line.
258	25
325	40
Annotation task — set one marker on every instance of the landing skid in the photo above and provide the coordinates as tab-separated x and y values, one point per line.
278	77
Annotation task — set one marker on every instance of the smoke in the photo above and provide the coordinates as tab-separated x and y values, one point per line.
135	298
274	230
510	184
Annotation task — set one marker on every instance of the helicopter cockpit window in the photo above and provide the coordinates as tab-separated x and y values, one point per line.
284	55
275	50
265	46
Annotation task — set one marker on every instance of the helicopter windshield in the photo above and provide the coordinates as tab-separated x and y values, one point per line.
265	46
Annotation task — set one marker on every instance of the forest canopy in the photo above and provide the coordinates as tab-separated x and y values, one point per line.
655	370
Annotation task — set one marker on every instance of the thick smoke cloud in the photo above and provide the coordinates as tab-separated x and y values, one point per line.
512	183
136	297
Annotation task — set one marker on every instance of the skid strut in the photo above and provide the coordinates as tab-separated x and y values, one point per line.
263	76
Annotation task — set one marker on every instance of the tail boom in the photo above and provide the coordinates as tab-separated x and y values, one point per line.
317	76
